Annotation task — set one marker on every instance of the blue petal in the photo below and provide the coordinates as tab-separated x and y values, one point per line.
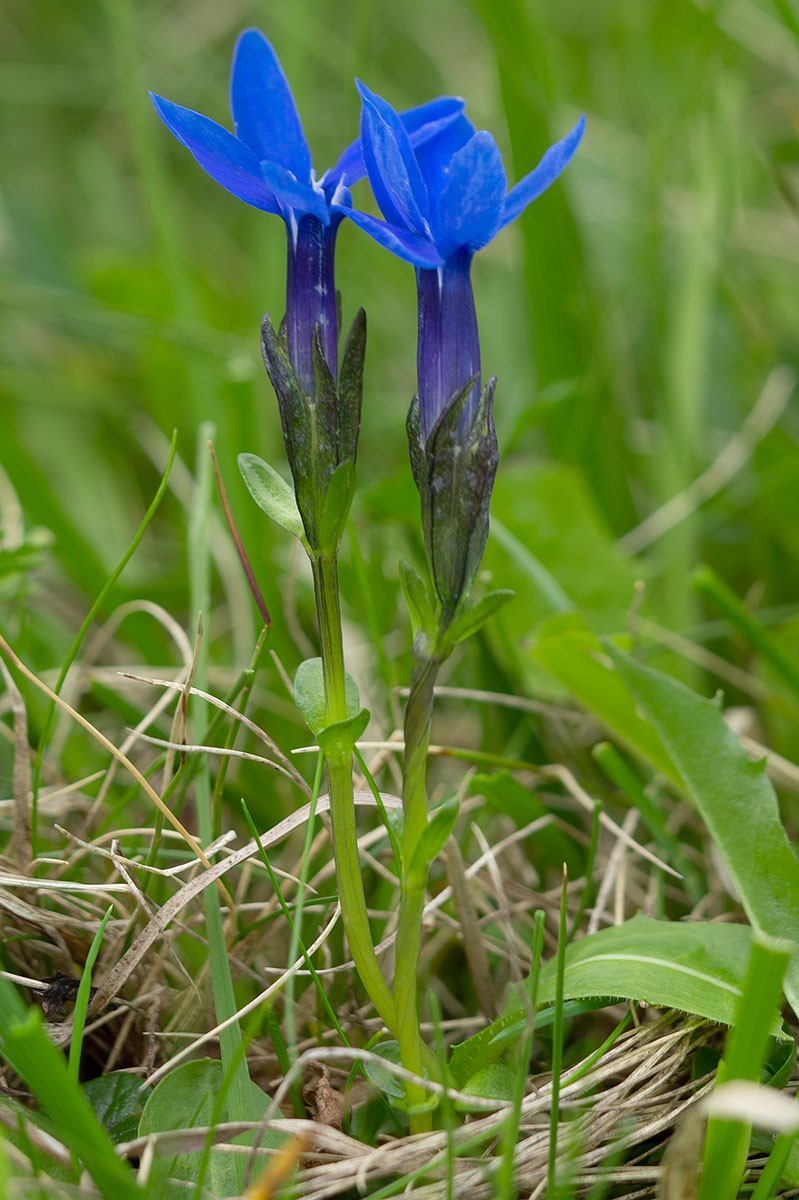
421	123
219	153
556	159
393	171
442	110
300	197
407	246
435	156
264	113
469	210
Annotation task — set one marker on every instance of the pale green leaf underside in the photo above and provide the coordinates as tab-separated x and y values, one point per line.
271	493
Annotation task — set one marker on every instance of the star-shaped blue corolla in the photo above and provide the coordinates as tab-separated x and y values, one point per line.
442	202
267	164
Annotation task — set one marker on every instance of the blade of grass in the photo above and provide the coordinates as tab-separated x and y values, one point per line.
727	1142
448	1117
331	1012
557	1044
108	745
771	1176
587	893
241	1107
233	731
387	671
707	583
510	1136
82	998
396	850
296	924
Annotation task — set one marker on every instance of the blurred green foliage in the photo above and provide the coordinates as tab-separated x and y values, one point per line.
632	315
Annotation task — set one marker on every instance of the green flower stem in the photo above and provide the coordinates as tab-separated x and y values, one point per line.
342	806
418	721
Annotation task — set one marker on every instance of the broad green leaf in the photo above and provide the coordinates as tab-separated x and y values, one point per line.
117	1101
733	795
338	500
271	493
694	966
578	660
470	621
185	1099
434	835
309	695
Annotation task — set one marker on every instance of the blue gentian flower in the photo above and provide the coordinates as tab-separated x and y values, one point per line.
267	164
442	202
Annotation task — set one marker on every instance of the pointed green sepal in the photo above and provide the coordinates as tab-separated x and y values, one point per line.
338	499
324	410
350	388
460	465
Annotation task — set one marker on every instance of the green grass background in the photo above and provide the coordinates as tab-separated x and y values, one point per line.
632	315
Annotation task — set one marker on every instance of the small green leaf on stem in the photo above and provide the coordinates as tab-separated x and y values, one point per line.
434	835
477	614
271	493
309	695
343	735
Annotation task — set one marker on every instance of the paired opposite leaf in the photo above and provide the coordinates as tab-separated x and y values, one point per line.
309	695
271	493
343	735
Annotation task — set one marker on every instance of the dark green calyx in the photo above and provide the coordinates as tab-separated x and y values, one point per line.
320	431
454	472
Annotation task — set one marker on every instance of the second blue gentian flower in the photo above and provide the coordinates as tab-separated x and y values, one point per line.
443	201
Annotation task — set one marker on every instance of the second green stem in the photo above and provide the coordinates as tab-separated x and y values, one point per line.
342	803
418	721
